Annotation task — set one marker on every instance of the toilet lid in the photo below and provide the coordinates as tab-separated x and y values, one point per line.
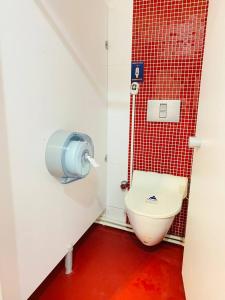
154	204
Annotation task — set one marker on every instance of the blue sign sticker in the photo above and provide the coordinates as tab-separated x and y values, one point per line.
137	71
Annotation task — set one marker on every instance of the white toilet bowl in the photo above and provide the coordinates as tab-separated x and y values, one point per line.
152	204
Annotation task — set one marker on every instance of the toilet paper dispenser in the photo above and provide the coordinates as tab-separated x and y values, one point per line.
69	155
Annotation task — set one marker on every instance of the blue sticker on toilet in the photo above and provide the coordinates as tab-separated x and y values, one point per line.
152	198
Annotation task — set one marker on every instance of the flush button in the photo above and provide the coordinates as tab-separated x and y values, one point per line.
163	110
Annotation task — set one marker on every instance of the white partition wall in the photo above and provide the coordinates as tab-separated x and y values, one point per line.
8	255
48	83
1	298
204	252
82	26
120	42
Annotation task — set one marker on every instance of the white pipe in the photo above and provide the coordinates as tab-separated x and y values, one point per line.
134	91
132	137
69	262
126	227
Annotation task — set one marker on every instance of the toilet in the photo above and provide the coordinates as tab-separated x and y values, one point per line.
152	203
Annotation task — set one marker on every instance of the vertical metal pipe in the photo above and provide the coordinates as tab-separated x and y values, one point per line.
134	91
132	137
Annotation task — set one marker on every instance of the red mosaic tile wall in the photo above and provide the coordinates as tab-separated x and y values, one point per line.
168	35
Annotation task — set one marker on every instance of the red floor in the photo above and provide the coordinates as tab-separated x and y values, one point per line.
113	264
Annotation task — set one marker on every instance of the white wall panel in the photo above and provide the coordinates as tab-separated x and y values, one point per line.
204	252
120	40
46	87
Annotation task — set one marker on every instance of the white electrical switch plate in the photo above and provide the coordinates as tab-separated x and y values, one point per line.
163	111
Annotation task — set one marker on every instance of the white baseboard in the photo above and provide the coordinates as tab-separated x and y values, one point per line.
103	220
116	214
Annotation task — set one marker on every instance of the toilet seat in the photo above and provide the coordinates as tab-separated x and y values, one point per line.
167	204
